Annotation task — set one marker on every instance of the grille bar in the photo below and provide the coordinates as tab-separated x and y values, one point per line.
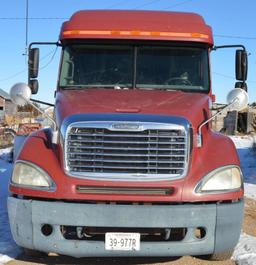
120	154
123	161
124	148
123	142
151	152
125	167
122	135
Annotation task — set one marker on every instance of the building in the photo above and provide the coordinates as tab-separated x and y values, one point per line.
6	105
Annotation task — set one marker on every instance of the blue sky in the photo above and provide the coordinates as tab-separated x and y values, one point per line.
228	18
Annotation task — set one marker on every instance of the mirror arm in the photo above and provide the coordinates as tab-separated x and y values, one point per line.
214	48
42	112
42	102
58	44
44	43
54	132
199	135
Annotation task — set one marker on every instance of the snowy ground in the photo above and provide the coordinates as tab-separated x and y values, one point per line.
8	248
245	252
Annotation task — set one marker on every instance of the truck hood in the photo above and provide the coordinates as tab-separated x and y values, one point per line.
192	106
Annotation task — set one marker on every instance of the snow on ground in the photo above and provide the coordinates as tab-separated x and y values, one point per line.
8	248
250	191
247	154
245	252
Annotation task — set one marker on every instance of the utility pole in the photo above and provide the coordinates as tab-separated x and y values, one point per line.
26	33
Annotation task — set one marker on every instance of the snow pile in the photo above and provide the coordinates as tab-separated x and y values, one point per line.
247	153
8	248
4	259
250	190
243	141
245	252
5	154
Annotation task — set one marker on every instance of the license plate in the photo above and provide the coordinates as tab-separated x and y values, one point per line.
122	241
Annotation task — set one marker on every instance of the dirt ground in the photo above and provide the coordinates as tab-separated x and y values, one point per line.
248	227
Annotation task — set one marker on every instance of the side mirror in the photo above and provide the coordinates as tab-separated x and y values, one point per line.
33	62
20	94
237	99
241	65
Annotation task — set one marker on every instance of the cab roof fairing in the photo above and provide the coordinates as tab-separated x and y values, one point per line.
137	25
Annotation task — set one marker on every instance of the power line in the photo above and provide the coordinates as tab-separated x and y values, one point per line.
33	18
226	76
24	70
13	75
231	77
116	4
178	4
234	37
107	7
146	4
166	8
51	59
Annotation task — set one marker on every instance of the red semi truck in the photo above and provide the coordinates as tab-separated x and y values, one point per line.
131	167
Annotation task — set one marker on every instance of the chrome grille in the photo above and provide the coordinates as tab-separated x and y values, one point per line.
146	151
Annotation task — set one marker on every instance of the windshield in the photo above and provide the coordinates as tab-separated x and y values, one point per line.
142	67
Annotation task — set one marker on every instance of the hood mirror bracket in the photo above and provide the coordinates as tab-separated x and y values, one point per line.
237	100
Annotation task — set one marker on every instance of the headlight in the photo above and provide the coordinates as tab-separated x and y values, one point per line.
223	179
29	175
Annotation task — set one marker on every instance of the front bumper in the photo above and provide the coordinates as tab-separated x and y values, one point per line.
222	223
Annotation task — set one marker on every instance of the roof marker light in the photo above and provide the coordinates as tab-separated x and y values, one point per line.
135	33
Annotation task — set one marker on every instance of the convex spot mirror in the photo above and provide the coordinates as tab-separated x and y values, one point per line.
33	84
237	98
241	65
20	94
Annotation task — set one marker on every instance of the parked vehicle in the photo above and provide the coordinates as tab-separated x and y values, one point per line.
131	167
